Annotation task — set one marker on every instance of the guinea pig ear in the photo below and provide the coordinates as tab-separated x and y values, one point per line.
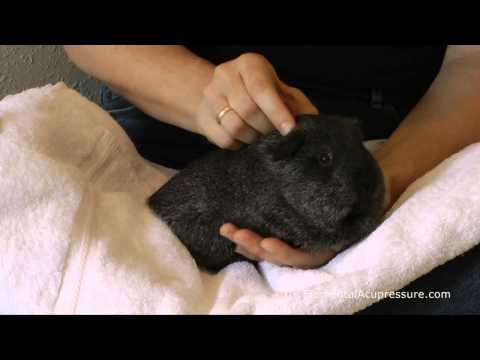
357	123
287	146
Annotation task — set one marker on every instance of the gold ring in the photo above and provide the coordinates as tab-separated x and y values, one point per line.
222	113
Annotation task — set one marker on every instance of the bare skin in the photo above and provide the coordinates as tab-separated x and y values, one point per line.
158	78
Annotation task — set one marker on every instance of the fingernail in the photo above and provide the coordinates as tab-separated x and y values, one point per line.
286	127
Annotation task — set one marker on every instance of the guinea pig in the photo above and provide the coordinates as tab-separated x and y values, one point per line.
316	188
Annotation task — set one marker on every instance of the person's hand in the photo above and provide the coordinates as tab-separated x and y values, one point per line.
259	100
257	248
389	197
391	194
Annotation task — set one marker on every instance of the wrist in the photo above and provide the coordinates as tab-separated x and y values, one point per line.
396	176
173	101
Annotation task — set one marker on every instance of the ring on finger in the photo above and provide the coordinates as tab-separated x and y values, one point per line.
223	112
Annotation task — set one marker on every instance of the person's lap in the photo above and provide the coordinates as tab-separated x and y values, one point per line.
173	147
158	142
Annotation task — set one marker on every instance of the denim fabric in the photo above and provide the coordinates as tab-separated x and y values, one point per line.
156	141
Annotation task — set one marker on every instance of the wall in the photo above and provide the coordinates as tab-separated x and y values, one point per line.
26	66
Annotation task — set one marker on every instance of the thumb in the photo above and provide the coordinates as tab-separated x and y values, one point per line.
296	101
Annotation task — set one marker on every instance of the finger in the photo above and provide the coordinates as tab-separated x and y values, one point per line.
247	109
263	91
228	81
249	243
296	100
256	255
237	128
242	251
244	238
281	252
230	122
221	138
215	133
228	230
273	250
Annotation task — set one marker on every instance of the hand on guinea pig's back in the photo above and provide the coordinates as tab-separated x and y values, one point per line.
316	189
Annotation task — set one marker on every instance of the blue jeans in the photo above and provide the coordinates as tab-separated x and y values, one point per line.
173	147
156	141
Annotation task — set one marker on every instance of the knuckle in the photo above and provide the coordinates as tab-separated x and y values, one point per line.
247	108
242	233
251	57
222	71
259	88
252	62
235	127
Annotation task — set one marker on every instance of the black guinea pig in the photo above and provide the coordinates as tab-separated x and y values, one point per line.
316	188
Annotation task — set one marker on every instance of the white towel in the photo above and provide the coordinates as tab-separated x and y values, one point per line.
77	238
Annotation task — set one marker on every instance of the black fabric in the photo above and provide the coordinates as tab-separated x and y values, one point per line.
404	73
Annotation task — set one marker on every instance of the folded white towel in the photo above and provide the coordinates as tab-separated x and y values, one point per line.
76	236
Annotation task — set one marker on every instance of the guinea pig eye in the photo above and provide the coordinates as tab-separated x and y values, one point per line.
325	157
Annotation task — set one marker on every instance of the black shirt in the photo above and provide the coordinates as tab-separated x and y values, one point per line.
403	73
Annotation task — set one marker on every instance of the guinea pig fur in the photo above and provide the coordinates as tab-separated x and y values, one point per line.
316	188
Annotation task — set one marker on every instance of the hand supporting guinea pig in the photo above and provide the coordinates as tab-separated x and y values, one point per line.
259	99
273	250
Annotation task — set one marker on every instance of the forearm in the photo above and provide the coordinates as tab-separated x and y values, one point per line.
446	120
164	81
